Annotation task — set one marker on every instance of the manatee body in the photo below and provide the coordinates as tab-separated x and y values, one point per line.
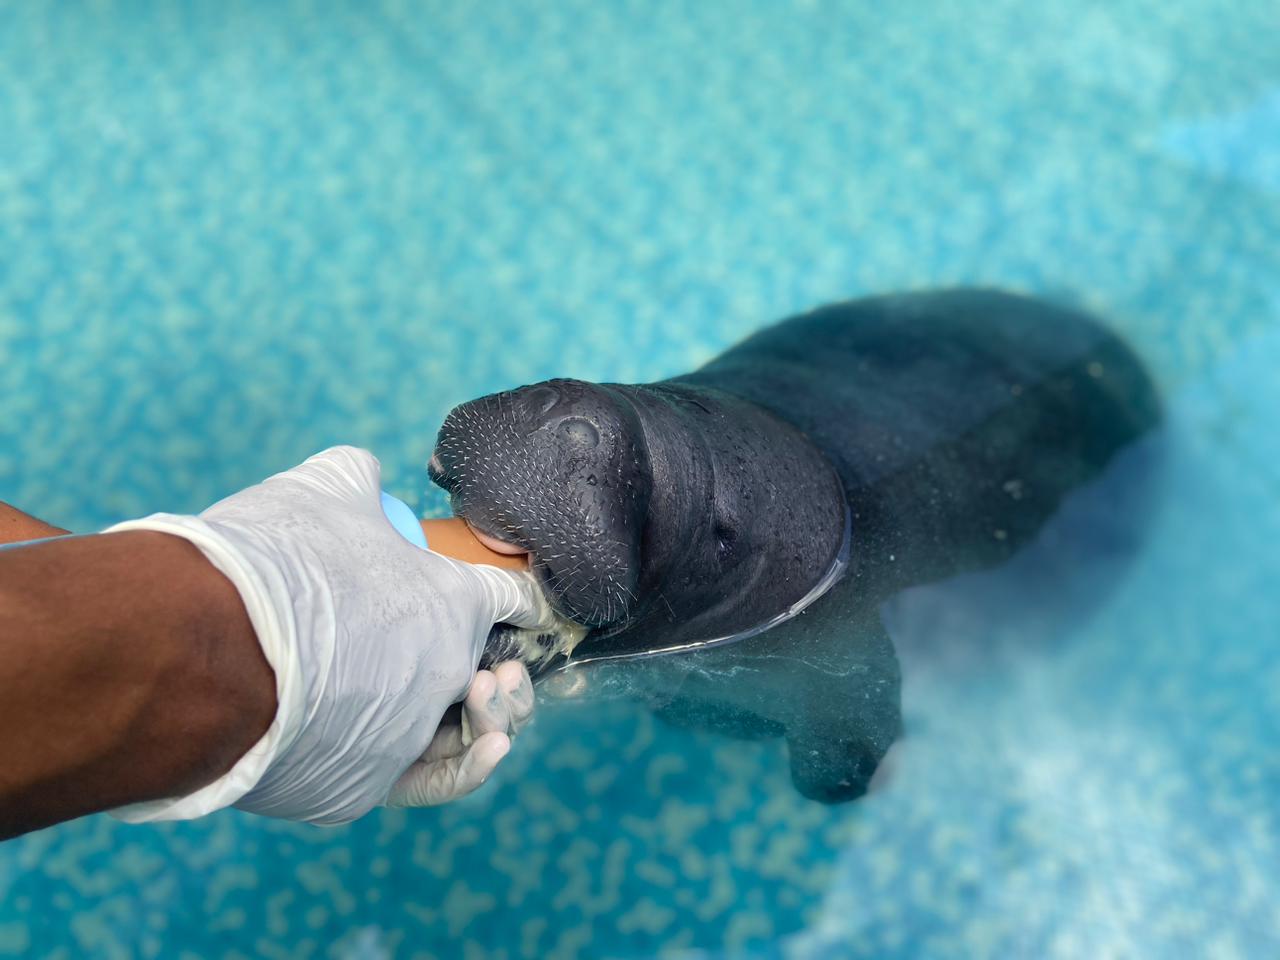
929	434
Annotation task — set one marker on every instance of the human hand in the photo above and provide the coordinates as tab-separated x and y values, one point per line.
371	639
470	741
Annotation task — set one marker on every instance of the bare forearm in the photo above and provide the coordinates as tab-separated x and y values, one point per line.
16	525
129	671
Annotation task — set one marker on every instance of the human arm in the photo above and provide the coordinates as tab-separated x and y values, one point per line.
16	525
366	639
129	671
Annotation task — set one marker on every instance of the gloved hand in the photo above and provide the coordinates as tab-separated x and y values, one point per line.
371	639
470	741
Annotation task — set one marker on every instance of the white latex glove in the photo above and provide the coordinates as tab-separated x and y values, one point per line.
469	742
371	639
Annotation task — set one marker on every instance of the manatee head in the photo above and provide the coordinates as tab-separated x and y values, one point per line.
656	515
558	469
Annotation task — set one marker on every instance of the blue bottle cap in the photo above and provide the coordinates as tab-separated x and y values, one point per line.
402	518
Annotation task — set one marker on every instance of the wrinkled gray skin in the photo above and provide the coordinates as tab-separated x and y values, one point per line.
949	425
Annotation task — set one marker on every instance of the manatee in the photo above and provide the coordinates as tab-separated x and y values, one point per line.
725	540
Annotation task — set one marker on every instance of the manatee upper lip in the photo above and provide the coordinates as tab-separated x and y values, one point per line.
494	543
579	561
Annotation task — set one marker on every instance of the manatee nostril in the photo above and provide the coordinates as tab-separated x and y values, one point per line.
538	400
579	431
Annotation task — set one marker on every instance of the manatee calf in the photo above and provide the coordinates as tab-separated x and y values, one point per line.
822	465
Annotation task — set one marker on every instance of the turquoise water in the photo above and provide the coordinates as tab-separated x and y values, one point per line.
232	234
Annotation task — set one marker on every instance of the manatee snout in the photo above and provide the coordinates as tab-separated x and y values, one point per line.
558	469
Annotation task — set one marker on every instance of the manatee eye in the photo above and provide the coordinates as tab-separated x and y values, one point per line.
725	536
579	431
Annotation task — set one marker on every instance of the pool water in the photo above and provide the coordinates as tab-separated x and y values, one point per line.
234	233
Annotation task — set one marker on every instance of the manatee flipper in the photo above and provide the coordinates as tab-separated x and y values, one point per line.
846	717
829	768
834	695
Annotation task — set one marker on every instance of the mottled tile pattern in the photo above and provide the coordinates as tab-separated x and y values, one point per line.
233	233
